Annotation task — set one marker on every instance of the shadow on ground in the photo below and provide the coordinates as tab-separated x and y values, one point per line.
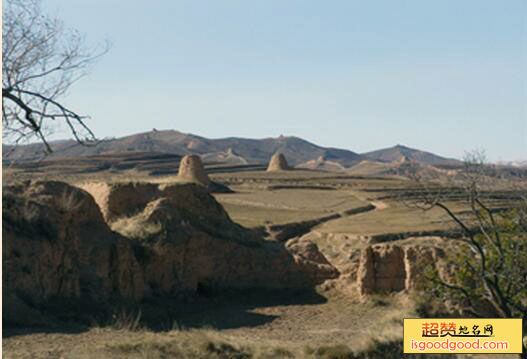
225	310
217	310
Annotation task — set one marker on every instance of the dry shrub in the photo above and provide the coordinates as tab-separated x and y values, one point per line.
129	321
223	350
334	352
69	201
278	353
202	344
136	228
151	349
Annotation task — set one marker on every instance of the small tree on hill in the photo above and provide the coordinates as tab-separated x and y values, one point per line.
41	60
487	276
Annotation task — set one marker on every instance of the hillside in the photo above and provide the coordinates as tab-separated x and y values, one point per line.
159	152
401	153
232	149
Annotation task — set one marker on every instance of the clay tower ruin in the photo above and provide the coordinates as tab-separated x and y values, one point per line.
277	163
191	169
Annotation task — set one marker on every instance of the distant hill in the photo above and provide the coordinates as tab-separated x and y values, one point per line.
232	149
401	153
375	168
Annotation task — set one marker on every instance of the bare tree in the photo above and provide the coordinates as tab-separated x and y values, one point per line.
41	60
490	275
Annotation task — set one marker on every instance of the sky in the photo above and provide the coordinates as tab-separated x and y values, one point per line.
442	76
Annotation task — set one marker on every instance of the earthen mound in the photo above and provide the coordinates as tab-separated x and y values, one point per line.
57	248
192	224
278	163
323	164
65	255
118	200
191	169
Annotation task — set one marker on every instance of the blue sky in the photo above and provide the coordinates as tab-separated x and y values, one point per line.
442	76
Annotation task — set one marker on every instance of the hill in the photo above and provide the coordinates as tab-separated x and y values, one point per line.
401	153
231	150
158	152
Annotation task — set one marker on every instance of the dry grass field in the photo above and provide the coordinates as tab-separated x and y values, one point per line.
332	322
281	325
295	196
278	206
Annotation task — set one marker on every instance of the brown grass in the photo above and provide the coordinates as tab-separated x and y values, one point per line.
258	207
395	218
106	343
135	227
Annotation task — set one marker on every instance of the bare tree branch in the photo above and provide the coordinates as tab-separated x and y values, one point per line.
41	60
494	275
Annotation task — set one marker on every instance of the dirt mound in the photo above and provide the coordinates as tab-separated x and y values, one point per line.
388	268
321	163
57	245
230	156
191	224
307	254
278	163
191	169
60	255
120	199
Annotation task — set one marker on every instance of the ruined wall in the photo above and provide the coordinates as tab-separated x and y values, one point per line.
59	248
386	268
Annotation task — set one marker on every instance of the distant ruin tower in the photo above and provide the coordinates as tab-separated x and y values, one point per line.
191	169
277	163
